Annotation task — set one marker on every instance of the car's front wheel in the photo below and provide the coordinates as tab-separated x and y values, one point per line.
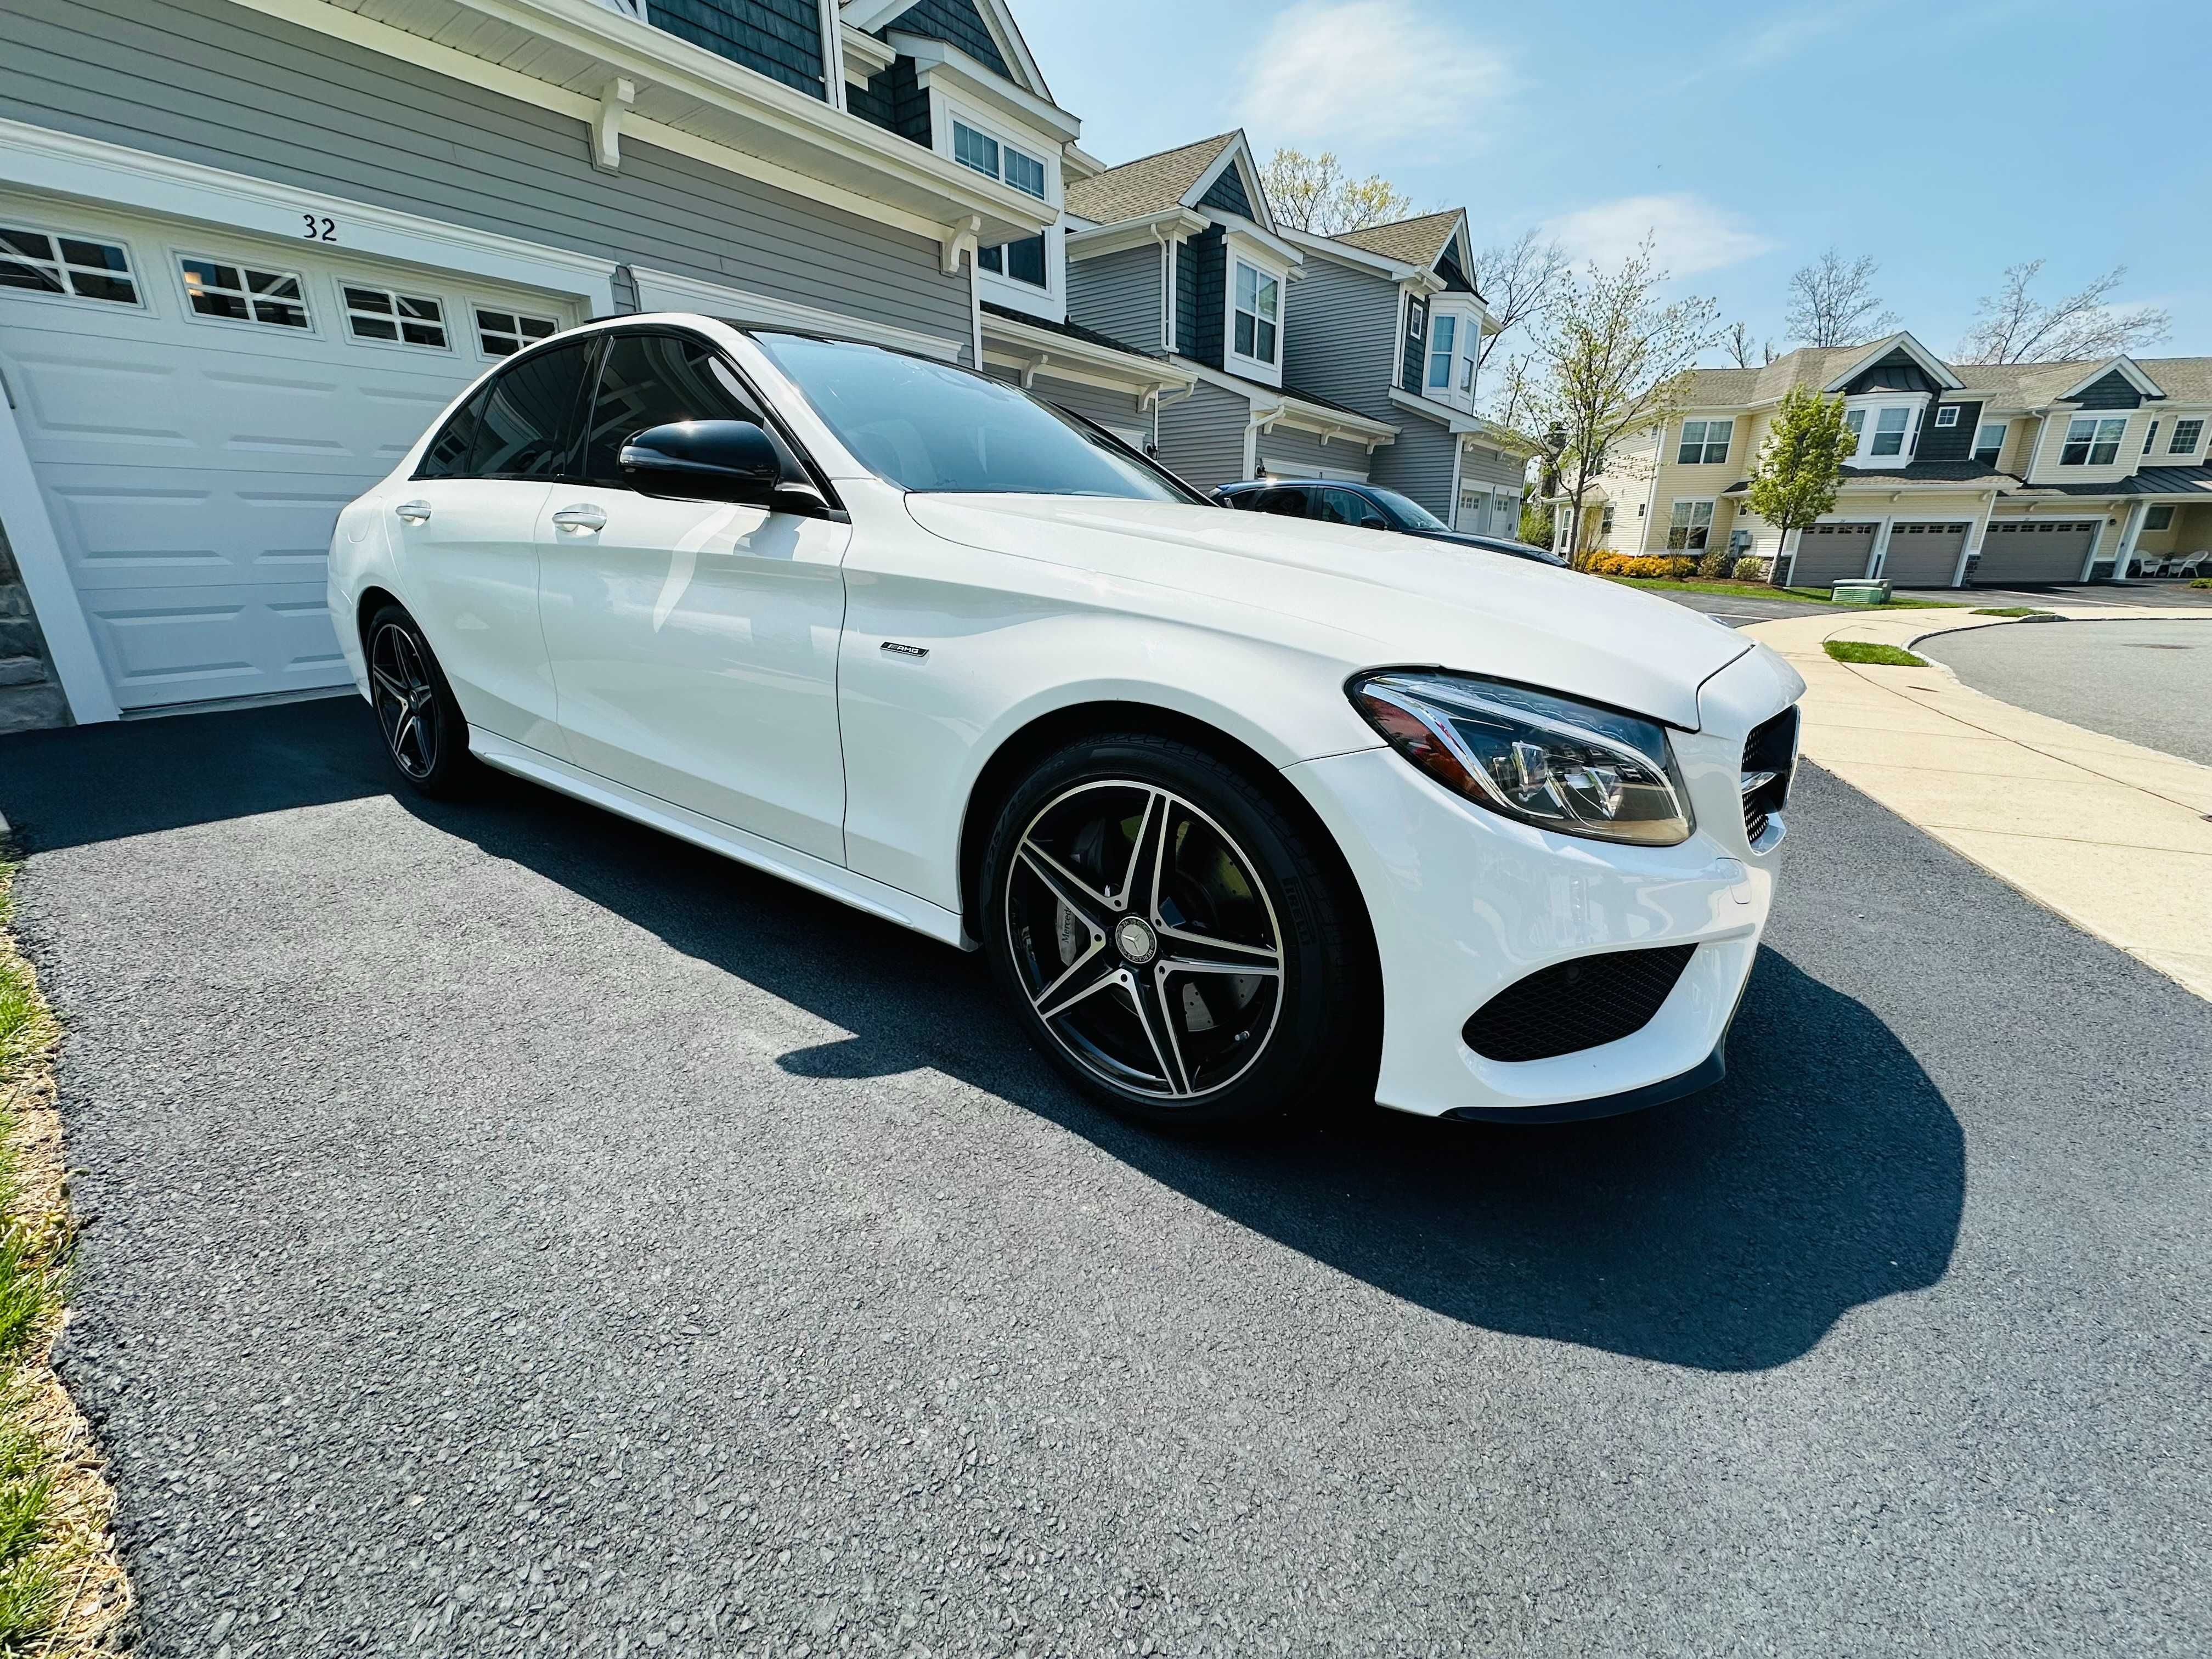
1172	939
425	733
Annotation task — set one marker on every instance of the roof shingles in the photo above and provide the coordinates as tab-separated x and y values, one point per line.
1151	183
1418	242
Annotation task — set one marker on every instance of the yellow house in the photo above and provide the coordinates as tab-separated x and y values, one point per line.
1965	473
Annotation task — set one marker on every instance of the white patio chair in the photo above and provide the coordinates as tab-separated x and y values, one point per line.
2150	564
2192	565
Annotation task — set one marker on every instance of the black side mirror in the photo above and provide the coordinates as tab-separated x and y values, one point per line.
1372	523
705	461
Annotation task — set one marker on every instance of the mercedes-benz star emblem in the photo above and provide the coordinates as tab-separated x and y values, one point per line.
1134	937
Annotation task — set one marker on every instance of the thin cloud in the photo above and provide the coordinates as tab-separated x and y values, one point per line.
1688	234
1360	74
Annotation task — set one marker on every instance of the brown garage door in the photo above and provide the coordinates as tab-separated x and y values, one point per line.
1832	553
2036	550
1923	554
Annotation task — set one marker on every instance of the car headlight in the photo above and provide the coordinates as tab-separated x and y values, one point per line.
1544	759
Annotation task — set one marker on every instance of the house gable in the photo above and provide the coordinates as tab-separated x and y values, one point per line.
957	23
1227	195
2112	390
1897	372
1894	363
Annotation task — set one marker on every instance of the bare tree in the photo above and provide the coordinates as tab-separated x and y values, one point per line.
1739	345
1833	304
1517	280
1314	194
1613	361
2013	326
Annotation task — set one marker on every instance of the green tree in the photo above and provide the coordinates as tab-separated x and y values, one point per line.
1615	360
1314	194
1801	463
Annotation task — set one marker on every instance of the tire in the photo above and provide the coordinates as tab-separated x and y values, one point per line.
425	736
1238	993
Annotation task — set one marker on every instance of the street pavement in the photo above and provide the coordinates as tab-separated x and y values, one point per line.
509	1231
2148	682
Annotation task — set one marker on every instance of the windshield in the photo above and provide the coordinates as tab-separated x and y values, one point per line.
928	427
1410	515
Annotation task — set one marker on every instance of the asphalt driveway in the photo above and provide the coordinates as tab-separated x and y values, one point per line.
2147	682
511	1230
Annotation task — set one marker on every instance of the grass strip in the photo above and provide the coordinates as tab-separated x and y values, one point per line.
1760	591
63	1593
1888	656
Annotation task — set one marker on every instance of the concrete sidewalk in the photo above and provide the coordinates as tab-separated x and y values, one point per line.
2114	837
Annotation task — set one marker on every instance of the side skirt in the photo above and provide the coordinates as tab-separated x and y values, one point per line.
801	869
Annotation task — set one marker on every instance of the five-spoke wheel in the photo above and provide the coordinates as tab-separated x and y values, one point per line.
1165	931
423	729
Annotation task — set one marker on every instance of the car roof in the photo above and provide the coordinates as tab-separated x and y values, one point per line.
1285	483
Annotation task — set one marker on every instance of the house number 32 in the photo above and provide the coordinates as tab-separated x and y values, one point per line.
320	228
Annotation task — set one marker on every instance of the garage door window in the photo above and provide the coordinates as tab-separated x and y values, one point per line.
378	314
503	333
241	293
33	260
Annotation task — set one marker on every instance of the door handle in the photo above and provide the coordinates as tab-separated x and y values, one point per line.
582	516
413	511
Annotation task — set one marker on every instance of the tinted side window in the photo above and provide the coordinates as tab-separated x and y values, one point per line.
448	457
647	379
1284	503
1342	506
528	428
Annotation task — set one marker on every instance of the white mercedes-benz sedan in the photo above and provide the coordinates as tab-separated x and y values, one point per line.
1245	810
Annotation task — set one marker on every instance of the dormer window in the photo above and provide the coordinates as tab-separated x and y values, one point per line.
1259	299
993	159
2092	442
1890	426
1441	339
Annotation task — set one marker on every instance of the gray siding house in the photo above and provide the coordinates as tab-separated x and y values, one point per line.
249	249
1177	258
1386	321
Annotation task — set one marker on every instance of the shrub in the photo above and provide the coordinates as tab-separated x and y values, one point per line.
1751	569
1715	564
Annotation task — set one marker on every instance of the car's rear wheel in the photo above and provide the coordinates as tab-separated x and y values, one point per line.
1171	938
425	733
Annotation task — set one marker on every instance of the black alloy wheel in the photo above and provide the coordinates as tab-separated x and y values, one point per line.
1169	936
424	731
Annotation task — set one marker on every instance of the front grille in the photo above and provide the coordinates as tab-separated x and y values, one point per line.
1772	747
1577	1005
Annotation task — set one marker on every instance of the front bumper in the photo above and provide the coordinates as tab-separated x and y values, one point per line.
1465	903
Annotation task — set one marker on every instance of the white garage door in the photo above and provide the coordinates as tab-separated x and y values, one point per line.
1923	554
2036	550
197	407
1829	553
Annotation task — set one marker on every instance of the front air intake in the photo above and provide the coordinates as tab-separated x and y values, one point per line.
1577	1005
1771	749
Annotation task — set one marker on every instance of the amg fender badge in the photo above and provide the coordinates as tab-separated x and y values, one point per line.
899	650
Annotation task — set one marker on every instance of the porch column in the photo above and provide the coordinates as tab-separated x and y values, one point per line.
2129	531
1975	537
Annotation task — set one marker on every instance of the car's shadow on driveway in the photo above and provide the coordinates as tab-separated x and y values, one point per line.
1728	1231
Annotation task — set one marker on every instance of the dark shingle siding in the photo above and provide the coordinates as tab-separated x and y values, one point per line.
1227	194
893	100
1951	443
1456	279
2113	392
1895	372
1412	361
1208	257
1186	272
956	22
779	38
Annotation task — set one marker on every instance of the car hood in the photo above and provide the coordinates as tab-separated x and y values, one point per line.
1390	599
1461	538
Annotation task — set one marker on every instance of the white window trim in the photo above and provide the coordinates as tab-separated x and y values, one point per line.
2004	437
1915	406
1259	368
1050	301
136	272
1711	503
2203	422
2119	456
1951	410
317	307
443	301
1705	442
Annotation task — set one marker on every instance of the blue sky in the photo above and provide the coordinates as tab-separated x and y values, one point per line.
1949	138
